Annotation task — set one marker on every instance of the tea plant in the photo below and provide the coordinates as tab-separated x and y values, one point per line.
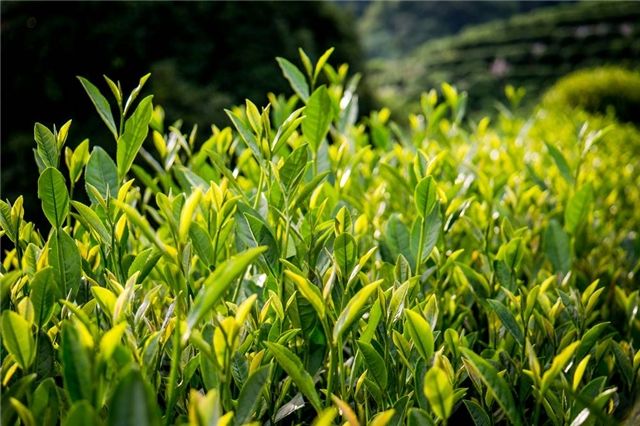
306	267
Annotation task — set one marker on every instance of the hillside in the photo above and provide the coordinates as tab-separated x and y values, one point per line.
530	50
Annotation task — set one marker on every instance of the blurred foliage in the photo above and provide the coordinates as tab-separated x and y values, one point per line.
598	90
202	56
393	28
530	50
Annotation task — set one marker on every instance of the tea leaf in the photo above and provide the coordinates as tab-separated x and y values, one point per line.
374	362
17	338
578	208
250	394
309	292
496	385
77	371
295	78
345	251
508	320
135	132
101	173
292	365
47	147
65	259
132	402
439	392
556	247
421	334
353	310
318	115
425	196
478	414
101	104
93	221
52	190
217	284
561	162
44	294
81	413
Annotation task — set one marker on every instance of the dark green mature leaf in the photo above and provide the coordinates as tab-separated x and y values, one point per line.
250	394
375	363
66	261
508	320
17	337
557	247
81	413
353	310
398	239
101	172
293	168
132	402
101	104
345	250
52	190
317	117
76	364
624	363
425	196
419	417
478	414
217	284
578	208
421	334
202	243
45	359
439	392
44	294
135	132
589	339
292	365
47	148
496	385
295	77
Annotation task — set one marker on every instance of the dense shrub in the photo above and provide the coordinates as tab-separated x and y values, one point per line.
305	265
599	90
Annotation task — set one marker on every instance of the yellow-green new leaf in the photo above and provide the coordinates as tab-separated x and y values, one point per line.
496	385
186	215
559	362
217	283
353	310
439	392
292	365
421	334
309	292
17	337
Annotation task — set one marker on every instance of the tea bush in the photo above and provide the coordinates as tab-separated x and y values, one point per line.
597	90
306	267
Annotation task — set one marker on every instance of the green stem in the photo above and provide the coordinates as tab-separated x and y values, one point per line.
175	361
421	242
